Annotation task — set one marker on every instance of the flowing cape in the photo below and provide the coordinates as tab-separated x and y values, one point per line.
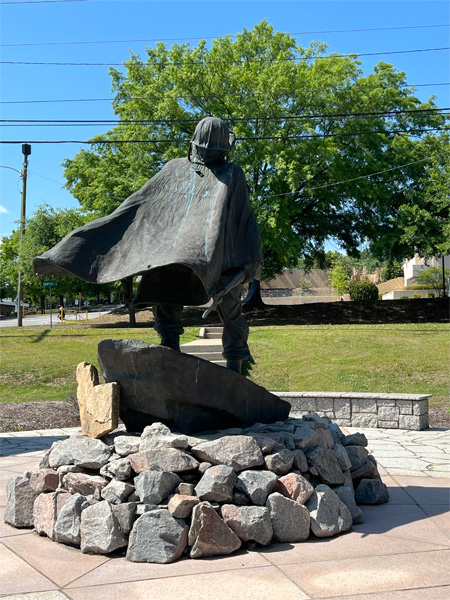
187	225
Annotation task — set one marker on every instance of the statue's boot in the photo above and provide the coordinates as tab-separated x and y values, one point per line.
171	340
234	365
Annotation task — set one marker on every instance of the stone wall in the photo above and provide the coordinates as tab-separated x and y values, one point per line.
391	411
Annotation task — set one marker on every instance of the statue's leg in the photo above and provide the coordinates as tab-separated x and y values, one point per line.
168	324
235	329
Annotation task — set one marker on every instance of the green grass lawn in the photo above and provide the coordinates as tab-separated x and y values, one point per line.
39	364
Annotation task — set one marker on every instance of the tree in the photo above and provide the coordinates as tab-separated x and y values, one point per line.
283	101
391	270
432	277
340	275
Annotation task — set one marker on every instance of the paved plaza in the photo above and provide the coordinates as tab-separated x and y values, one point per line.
400	552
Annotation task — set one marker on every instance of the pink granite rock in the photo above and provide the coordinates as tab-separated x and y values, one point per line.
209	535
181	506
294	486
46	510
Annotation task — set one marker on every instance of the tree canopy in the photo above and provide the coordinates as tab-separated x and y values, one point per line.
328	151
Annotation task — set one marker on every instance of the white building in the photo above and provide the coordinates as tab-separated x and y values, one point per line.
413	265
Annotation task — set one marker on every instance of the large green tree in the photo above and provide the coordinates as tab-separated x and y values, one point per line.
293	111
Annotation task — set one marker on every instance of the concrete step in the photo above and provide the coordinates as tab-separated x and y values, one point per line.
211	356
210	333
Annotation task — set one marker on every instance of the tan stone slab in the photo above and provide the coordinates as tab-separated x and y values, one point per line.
18	577
54	595
24	462
61	564
7	530
98	404
379	574
245	584
426	490
121	570
440	516
351	545
432	593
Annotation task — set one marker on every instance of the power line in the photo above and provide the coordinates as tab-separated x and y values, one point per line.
282	138
211	37
86	122
299	91
211	62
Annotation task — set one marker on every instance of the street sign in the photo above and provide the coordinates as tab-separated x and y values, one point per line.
50	283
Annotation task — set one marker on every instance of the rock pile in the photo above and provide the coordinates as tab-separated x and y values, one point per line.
160	495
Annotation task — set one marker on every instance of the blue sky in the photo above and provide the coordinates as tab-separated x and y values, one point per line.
35	22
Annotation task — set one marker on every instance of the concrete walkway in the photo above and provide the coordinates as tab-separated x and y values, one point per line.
400	552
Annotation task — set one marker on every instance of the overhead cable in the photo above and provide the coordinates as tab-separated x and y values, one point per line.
211	37
282	138
211	62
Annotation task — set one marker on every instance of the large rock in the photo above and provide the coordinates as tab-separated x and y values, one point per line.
83	452
216	484
160	384
257	485
209	535
44	480
118	468
180	506
294	486
98	404
100	531
159	435
127	444
67	526
280	462
153	486
327	465
117	491
237	451
347	496
163	459
290	519
371	491
45	512
82	483
329	515
157	537
20	497
249	523
357	456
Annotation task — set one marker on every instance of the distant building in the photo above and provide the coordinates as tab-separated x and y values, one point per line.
412	266
7	307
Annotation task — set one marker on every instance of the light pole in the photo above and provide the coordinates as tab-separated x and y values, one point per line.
26	151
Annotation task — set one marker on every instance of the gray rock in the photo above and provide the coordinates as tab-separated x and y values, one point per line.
186	489
67	526
347	496
238	451
127	444
117	491
329	516
100	531
324	438
163	459
240	499
336	432
371	491
158	435
125	514
204	466
290	520
83	452
294	486
217	484
326	464
342	456
317	421
176	388
368	470
279	462
119	468
84	484
209	535
266	443
44	480
355	439
305	437
357	456
153	486
257	485
249	523
20	498
157	537
300	462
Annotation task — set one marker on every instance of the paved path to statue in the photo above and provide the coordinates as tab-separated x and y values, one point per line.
400	552
43	320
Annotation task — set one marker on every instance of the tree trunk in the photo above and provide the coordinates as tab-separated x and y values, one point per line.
42	305
127	286
255	302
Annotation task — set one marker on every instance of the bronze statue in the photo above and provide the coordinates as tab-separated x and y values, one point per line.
189	232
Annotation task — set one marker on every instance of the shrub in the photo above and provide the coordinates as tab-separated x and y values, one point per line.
363	291
404	298
416	296
431	295
423	286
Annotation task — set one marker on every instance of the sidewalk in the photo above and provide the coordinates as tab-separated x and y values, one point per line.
400	552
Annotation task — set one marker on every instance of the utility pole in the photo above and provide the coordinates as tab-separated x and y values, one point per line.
26	151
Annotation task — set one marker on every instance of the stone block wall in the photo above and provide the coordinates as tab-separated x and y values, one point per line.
390	411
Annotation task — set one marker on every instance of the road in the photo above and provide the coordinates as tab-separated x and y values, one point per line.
44	320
